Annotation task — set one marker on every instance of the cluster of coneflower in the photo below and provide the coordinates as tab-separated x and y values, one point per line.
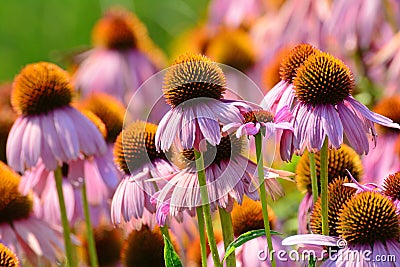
82	163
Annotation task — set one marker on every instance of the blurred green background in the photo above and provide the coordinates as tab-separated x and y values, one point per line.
46	30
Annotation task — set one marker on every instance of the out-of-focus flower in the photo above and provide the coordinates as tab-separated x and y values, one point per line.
384	159
235	13
339	162
144	248
388	59
229	176
326	109
391	188
7	118
109	241
123	57
20	229
136	156
247	217
7	257
193	87
48	128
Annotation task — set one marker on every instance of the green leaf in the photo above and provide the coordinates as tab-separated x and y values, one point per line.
243	238
171	258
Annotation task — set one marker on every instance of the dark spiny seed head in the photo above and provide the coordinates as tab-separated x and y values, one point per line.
193	76
248	216
369	217
389	107
135	146
294	60
339	160
323	79
391	186
13	205
338	195
7	257
40	88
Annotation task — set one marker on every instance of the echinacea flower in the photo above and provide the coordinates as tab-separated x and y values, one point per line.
367	228
261	120
123	57
229	176
48	128
193	87
325	107
391	188
7	257
385	158
136	156
282	93
340	162
20	229
7	117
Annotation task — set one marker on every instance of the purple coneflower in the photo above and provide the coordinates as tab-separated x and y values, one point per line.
363	226
229	175
282	93
325	107
48	128
121	60
261	120
20	229
136	156
340	161
193	87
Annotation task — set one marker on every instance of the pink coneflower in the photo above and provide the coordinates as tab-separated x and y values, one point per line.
340	161
122	59
385	158
368	227
282	93
48	127
193	87
325	107
261	120
229	176
136	156
20	229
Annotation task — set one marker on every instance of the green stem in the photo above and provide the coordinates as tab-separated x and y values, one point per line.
64	220
263	196
89	231
227	233
324	186
313	173
206	207
165	232
203	245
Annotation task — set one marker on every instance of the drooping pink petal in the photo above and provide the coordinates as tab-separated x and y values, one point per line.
14	144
